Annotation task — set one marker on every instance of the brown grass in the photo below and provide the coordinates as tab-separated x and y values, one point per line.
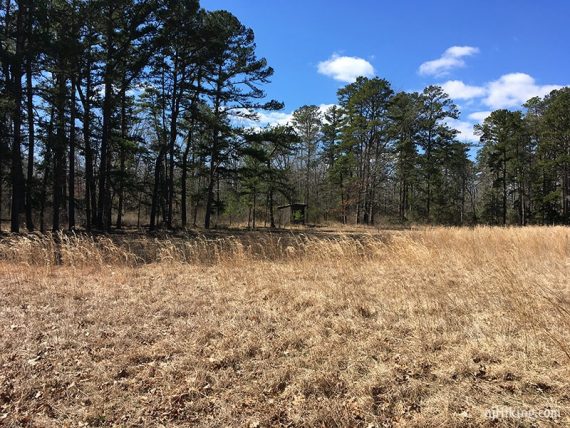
421	328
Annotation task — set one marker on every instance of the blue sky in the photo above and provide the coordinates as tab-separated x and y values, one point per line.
486	54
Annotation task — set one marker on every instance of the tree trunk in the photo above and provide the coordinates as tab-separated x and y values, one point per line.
214	152
156	189
210	194
17	172
175	106
504	188
122	160
90	190
90	194
31	139
103	207
189	141
45	179
59	152
429	175
253	215
271	211
71	184
184	178
566	187
104	166
120	206
1	189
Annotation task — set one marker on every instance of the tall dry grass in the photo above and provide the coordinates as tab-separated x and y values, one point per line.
430	327
86	250
482	244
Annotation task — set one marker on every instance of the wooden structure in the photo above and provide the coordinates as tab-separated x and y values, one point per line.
292	214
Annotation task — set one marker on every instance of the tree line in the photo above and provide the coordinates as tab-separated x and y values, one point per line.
122	113
396	156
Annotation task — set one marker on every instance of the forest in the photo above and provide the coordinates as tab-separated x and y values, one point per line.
123	113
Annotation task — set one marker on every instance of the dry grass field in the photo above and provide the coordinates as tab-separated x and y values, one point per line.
431	327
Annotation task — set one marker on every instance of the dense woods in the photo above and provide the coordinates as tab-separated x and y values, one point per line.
142	113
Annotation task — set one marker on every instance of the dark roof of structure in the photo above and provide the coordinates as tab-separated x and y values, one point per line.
298	205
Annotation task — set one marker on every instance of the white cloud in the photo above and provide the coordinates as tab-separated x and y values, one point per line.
458	90
345	68
264	118
461	51
451	58
509	90
324	107
273	118
513	90
479	116
466	131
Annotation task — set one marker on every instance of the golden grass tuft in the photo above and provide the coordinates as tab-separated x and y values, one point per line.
431	327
